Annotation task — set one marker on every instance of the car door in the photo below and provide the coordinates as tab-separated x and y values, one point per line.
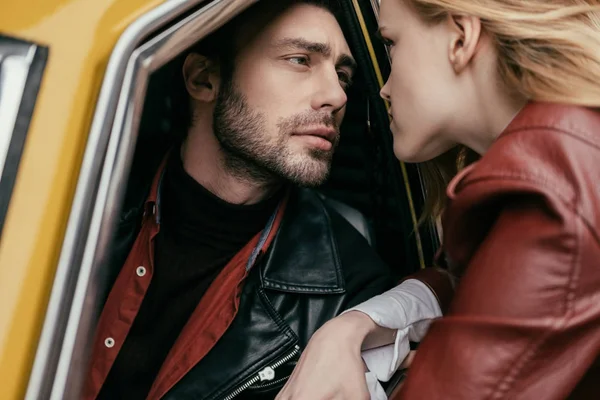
98	92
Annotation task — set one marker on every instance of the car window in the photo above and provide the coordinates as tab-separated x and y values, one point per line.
21	67
128	122
80	282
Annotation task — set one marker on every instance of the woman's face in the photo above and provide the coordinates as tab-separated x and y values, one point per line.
422	88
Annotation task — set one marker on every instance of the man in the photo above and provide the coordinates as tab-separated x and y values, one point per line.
235	266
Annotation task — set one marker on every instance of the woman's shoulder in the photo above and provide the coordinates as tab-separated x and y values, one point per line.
550	150
536	191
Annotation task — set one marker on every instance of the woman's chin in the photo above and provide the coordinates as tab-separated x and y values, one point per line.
420	151
408	154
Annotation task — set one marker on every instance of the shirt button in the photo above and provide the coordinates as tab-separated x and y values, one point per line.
140	271
109	342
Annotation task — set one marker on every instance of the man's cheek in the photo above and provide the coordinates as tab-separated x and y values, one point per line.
340	116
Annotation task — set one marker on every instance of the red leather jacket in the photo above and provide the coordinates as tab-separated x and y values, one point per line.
522	231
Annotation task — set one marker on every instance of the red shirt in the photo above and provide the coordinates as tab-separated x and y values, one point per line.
208	323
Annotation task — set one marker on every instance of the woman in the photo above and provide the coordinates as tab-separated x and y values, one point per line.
518	82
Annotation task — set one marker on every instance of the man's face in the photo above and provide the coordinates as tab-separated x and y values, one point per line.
280	113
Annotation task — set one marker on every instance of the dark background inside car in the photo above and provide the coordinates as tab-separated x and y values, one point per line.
364	173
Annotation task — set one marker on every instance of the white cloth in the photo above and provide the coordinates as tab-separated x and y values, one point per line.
408	308
375	388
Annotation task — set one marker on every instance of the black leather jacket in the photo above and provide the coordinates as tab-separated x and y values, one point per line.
317	266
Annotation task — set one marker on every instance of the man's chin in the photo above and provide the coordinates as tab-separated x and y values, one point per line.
308	173
310	184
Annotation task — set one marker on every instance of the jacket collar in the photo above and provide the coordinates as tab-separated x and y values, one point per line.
575	120
152	203
303	257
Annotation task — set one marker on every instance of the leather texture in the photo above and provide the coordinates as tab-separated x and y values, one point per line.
522	231
317	266
354	217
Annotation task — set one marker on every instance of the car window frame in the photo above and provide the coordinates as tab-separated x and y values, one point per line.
154	39
22	65
431	231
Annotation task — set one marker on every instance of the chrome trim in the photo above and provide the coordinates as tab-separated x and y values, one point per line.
22	65
375	6
435	227
65	344
14	69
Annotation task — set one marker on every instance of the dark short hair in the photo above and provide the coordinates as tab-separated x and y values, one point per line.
223	45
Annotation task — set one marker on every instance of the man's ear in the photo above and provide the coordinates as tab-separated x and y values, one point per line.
465	37
201	76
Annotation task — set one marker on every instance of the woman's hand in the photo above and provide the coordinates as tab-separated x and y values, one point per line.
331	366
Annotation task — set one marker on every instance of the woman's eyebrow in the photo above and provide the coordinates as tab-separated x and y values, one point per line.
378	34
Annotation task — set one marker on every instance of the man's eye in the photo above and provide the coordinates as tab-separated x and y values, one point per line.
345	79
300	60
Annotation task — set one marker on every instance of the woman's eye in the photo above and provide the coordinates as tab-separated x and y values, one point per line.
300	60
387	42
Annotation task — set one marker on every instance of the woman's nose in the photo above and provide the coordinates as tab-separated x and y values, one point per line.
384	92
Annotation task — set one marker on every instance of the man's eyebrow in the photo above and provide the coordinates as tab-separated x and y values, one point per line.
345	60
307	45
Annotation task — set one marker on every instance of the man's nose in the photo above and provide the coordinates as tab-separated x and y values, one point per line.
330	95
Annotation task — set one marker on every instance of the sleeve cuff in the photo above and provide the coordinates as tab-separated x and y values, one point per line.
440	282
410	302
375	389
384	361
408	308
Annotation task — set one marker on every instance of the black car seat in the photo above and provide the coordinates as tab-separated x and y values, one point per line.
357	219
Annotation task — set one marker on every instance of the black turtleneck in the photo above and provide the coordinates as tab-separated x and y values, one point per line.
199	234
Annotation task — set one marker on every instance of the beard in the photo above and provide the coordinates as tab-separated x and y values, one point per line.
250	153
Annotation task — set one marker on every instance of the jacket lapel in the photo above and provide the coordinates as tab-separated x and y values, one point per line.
303	257
238	357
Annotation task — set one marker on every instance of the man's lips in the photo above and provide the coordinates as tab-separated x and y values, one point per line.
328	134
322	138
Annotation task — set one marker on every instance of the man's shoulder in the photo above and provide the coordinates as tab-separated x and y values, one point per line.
345	223
344	229
317	251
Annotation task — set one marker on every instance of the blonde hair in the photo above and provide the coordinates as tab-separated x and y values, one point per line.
548	50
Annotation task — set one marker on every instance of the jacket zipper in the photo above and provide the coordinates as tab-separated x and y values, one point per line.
269	384
266	374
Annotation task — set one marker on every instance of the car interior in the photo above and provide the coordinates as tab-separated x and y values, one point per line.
367	184
131	131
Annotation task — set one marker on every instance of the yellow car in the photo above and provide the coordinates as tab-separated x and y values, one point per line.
81	98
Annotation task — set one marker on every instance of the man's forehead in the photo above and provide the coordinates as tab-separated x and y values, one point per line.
308	22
